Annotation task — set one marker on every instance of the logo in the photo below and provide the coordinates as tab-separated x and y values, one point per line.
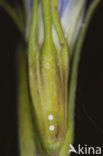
85	150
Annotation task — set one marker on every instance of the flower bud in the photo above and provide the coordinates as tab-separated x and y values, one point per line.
48	75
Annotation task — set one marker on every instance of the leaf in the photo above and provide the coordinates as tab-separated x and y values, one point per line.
26	132
14	15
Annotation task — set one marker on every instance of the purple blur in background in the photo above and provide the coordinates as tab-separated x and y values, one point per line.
62	6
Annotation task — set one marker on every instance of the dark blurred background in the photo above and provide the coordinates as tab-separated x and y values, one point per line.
89	99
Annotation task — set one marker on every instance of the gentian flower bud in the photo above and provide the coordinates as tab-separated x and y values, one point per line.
45	102
49	69
71	19
48	74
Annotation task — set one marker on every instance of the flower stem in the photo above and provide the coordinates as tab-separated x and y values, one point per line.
64	52
47	19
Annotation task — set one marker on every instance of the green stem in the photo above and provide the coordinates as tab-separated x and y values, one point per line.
32	38
64	51
47	19
56	20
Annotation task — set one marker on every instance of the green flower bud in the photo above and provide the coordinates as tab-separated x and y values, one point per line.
49	118
48	76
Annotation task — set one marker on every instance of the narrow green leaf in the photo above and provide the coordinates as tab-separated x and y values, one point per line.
14	15
25	124
21	15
